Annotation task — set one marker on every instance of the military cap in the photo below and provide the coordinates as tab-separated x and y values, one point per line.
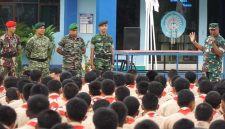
73	26
102	23
10	24
39	24
213	25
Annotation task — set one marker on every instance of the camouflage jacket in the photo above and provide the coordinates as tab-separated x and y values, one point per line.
102	46
211	61
38	47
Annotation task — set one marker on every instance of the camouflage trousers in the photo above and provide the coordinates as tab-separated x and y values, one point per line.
8	66
73	66
102	65
213	76
41	66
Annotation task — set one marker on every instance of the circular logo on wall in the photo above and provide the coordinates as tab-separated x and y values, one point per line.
173	24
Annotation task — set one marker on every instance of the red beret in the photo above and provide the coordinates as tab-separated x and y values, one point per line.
10	24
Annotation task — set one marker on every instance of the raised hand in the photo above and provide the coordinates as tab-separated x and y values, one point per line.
192	37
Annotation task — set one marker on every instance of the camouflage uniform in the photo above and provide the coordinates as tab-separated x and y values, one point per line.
212	63
37	50
9	48
102	52
72	54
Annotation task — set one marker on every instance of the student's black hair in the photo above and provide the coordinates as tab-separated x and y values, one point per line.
54	86
142	87
26	90
7	115
108	87
94	88
48	118
90	76
121	93
39	89
108	75
180	84
132	104
219	87
35	75
70	90
130	79
191	76
205	86
85	96
121	110
132	71
146	124
56	70
223	98
97	72
162	79
173	80
172	73
46	79
185	97
141	78
100	103
12	93
21	83
150	102
10	81
65	75
76	109
213	98
105	118
151	74
78	81
203	112
37	103
66	81
183	124
62	126
119	79
155	88
218	124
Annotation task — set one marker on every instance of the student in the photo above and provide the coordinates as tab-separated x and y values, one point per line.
151	74
160	78
7	117
78	82
55	73
105	118
146	124
39	89
133	72
47	119
120	80
35	75
65	75
107	90
157	89
70	90
76	110
218	124
12	94
183	124
222	117
121	93
171	74
130	82
204	115
141	78
88	78
186	102
191	77
95	91
142	88
46	79
21	83
108	75
62	126
100	103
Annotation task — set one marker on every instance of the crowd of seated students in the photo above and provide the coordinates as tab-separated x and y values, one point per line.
111	100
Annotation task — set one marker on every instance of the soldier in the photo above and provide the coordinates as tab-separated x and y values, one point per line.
102	49
71	47
9	49
213	51
38	48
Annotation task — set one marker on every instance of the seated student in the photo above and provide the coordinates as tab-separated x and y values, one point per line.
130	82
76	110
12	97
108	75
121	93
191	77
132	104
184	124
105	118
107	90
65	75
86	97
141	78
170	106
142	88
46	79
62	126
55	89
55	73
78	82
150	105
133	72
35	75
88	78
121	110
7	117
186	102
218	124
151	74
222	117
120	80
39	89
162	79
214	99
20	85
157	89
171	74
146	124
100	103
36	104
205	86
47	119
95	91
203	114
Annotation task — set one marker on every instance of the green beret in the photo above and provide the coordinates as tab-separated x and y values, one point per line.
102	23
213	25
39	24
73	26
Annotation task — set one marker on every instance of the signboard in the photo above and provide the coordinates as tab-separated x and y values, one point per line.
86	23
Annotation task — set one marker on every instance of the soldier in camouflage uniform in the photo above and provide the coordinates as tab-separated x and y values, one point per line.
102	49
9	49
71	47
37	50
213	51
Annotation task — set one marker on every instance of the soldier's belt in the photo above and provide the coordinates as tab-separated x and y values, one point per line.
103	56
39	60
